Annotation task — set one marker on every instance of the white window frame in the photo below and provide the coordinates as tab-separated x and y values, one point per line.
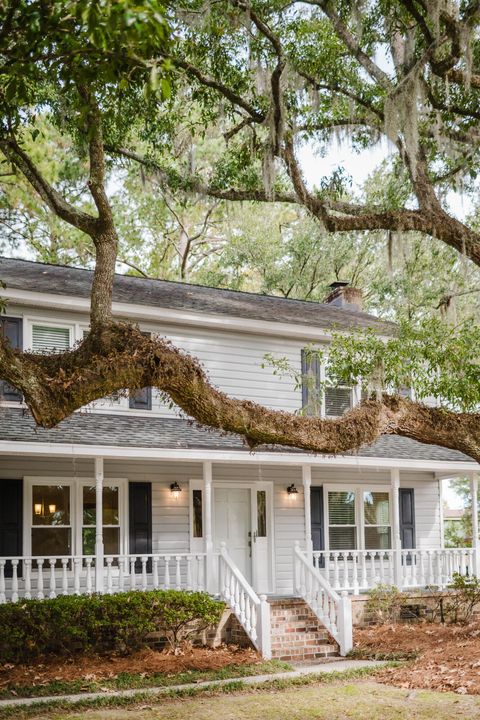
122	485
31	320
359	511
76	509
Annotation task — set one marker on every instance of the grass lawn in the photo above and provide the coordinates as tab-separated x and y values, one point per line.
336	701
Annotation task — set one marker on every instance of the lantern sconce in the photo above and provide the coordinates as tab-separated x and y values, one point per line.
292	491
52	509
175	489
37	508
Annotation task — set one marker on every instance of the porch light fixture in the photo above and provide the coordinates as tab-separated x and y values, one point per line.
175	489
292	491
37	508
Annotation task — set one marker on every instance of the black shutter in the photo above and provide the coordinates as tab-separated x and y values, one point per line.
318	532
141	399
11	330
140	517
11	521
407	518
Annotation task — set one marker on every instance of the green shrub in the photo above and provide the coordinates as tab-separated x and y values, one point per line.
101	623
459	606
385	603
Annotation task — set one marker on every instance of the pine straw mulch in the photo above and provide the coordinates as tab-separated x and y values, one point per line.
442	657
145	662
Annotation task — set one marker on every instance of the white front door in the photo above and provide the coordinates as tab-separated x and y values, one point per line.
232	511
242	520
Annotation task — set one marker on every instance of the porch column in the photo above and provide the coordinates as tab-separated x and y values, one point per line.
396	539
209	560
307	482
475	538
99	548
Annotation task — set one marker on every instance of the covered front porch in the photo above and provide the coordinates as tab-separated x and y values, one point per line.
240	526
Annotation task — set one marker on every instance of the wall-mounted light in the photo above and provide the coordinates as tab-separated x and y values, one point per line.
52	509
292	491
37	508
175	489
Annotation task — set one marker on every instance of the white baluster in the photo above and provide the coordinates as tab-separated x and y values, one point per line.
178	578
28	579
89	579
3	596
381	565
363	561
189	572
355	583
40	594
372	569
109	561
53	588
201	574
133	574
167	572
144	573
77	566
336	573
122	571
155	572
421	558
14	580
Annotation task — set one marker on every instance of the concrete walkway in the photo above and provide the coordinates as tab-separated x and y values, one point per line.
318	669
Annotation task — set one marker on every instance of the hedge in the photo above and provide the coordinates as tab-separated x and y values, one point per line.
102	623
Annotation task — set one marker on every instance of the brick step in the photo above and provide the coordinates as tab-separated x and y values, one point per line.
297	634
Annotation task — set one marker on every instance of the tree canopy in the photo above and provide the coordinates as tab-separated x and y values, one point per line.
124	85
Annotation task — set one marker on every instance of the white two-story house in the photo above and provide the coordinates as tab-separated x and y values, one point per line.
126	494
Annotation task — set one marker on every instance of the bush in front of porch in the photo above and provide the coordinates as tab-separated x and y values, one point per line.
102	623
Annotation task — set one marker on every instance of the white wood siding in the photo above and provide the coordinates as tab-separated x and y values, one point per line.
233	360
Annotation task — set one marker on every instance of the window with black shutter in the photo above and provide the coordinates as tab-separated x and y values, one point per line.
11	330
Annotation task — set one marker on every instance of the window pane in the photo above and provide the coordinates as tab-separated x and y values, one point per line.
51	339
50	505
342	538
337	401
51	541
111	540
88	541
341	508
261	513
197	514
376	507
377	538
110	505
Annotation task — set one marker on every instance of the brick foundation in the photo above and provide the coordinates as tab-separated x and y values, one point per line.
228	631
297	634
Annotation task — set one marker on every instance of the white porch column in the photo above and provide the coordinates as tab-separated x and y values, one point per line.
396	539
99	548
307	482
475	538
209	561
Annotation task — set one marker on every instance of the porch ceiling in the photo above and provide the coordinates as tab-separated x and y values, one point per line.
109	430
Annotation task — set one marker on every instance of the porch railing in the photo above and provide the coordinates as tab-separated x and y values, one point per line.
333	610
252	611
360	570
27	577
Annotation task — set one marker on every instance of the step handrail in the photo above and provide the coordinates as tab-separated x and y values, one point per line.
252	611
333	610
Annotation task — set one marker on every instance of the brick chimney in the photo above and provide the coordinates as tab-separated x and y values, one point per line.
344	296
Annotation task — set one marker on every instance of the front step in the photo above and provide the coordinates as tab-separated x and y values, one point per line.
297	633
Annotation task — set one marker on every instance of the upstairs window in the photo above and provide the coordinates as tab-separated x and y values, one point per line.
141	399
49	338
328	401
11	331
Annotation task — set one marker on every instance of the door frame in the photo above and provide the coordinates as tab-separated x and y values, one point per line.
253	487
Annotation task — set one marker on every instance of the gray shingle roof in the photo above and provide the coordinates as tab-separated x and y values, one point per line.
61	280
170	433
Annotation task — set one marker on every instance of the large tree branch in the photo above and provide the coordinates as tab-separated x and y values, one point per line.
55	201
56	385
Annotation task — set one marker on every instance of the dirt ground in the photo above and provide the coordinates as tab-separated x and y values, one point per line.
446	657
338	701
146	661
